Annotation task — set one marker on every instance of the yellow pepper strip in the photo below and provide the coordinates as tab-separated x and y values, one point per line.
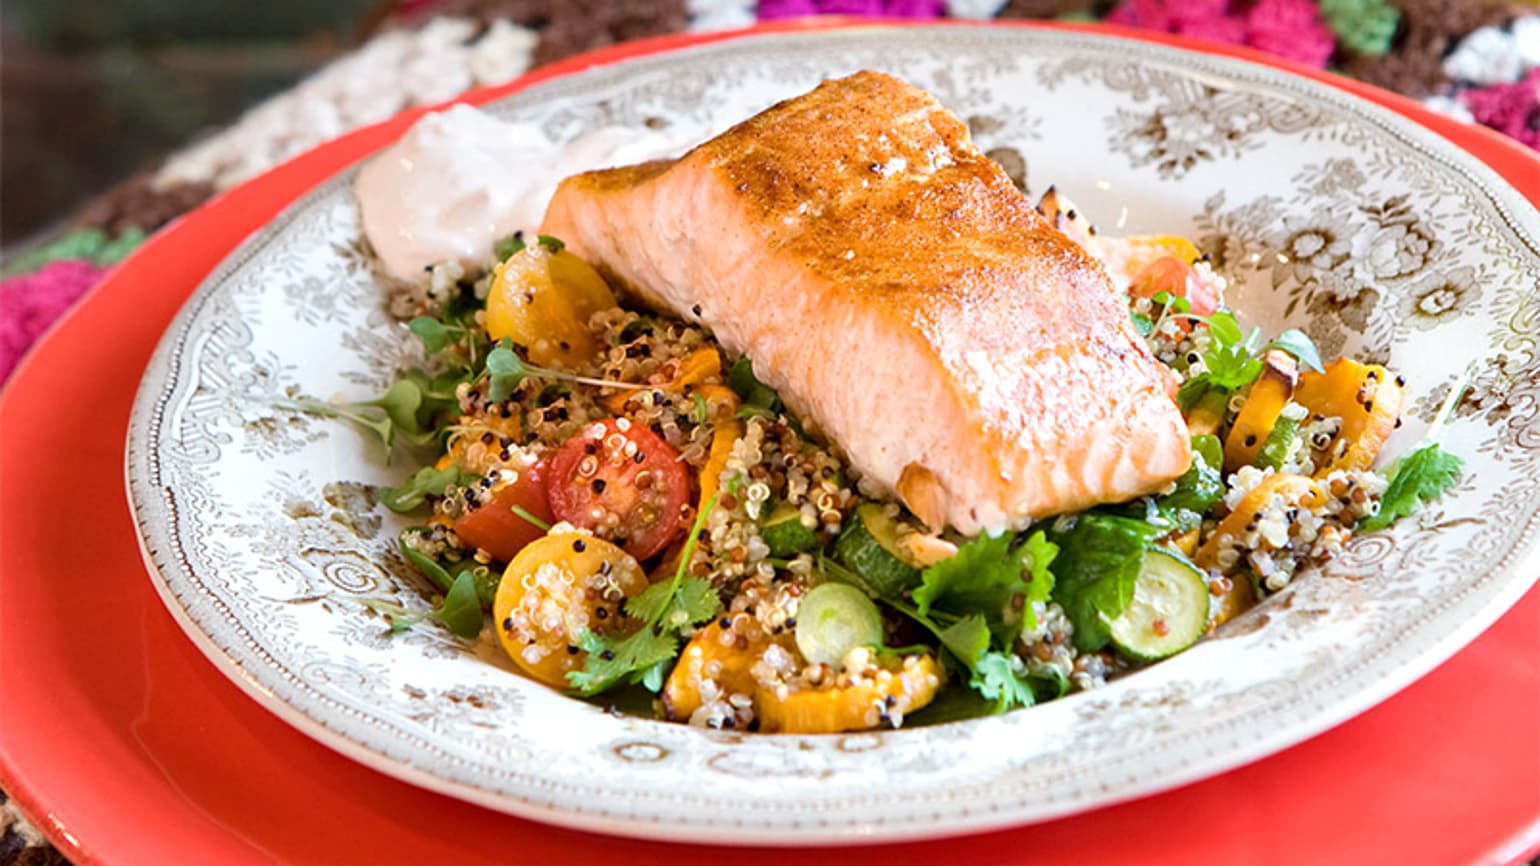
695	369
721	401
1269	394
1367	397
726	434
681	691
722	440
855	707
1297	490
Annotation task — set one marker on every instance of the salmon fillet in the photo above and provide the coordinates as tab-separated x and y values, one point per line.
896	289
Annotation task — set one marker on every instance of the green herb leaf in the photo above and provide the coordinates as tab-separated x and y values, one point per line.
1143	324
664	609
610	661
434	334
995	678
749	389
506	248
653	679
1198	489
553	244
1421	476
694	602
1098	562
1192	391
424	563
505	372
989	579
967	639
1224	330
701	410
1298	343
460	611
425	482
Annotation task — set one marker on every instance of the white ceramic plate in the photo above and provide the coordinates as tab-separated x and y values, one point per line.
1377	237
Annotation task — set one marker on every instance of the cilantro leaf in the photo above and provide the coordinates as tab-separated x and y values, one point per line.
694	602
1143	325
610	661
1298	343
989	579
1094	574
995	678
967	639
1421	476
664	608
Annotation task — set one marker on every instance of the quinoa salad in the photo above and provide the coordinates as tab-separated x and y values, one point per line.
641	521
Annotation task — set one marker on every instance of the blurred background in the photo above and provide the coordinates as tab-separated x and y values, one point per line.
95	95
92	91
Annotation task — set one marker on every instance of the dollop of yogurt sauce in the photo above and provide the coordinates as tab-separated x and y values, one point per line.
460	180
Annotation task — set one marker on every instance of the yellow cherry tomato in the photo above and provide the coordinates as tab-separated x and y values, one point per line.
555	589
543	300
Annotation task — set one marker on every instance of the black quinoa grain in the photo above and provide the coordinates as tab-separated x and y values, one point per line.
597	485
571	650
607	655
578	545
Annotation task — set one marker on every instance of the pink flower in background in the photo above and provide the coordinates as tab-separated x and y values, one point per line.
1512	109
1292	29
32	303
772	9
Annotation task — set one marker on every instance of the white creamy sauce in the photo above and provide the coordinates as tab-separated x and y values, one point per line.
460	180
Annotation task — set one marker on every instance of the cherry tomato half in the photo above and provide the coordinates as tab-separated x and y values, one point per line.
621	481
495	528
1170	274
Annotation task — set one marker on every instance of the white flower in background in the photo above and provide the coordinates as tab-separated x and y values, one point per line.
974	8
1449	107
502	53
394	71
1526	38
1487	56
720	14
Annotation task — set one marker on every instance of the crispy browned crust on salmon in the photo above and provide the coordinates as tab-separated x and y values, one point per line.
889	280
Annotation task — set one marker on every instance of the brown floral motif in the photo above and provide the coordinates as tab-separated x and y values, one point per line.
1315	253
1489	396
1439	297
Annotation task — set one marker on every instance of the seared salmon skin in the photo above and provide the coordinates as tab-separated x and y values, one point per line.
898	291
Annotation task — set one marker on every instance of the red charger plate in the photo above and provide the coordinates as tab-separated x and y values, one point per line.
127	746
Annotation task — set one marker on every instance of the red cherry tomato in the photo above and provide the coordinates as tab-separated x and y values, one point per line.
1170	274
621	481
496	529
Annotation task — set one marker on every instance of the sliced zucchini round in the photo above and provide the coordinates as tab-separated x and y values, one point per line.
869	547
1169	611
832	620
784	533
